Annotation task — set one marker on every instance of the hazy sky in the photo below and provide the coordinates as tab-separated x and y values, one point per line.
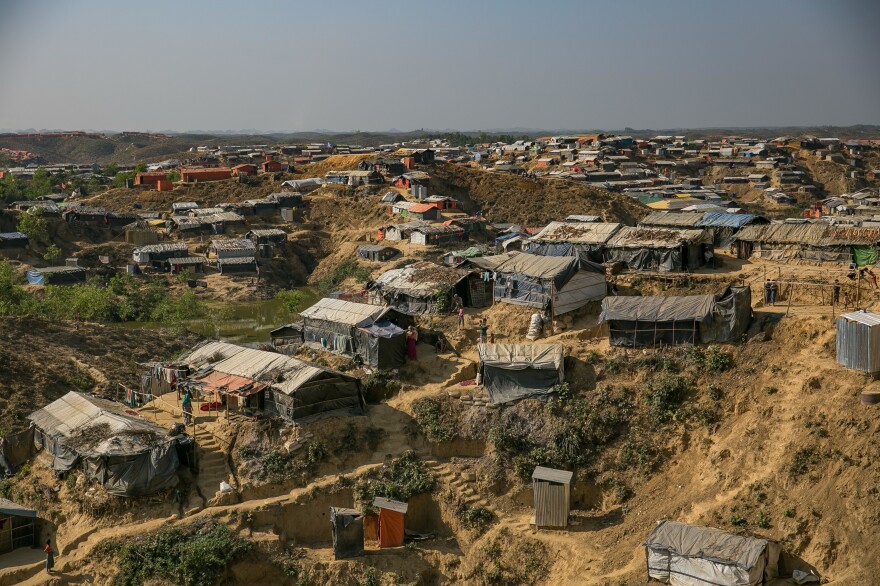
462	64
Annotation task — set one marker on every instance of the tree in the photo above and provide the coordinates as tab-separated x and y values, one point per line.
41	184
291	299
173	176
52	254
34	225
140	168
110	170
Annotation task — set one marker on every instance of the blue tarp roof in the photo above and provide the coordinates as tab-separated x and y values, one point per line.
12	236
724	220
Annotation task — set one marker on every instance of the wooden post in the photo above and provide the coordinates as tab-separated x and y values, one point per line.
789	298
858	287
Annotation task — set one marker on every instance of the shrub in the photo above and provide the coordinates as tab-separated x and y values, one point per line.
291	299
438	425
348	268
717	360
404	477
802	462
789	513
380	385
666	396
193	555
279	466
34	225
762	520
736	520
476	517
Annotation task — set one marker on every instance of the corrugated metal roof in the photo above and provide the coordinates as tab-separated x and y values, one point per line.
233	244
420	208
344	312
389	504
552	475
420	279
577	233
863	317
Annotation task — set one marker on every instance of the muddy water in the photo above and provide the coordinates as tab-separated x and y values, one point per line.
240	322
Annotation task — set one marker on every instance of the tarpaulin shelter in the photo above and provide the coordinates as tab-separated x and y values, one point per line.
348	532
659	249
17	526
585	240
417	288
152	252
682	554
376	253
724	225
60	275
16	449
515	371
294	389
818	241
128	455
552	495
648	321
560	283
13	240
858	341
391	521
355	329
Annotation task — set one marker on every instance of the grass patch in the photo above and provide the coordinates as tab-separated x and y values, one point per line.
435	419
400	479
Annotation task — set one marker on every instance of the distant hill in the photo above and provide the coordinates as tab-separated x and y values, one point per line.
128	148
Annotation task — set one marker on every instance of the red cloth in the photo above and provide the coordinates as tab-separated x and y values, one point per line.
411	347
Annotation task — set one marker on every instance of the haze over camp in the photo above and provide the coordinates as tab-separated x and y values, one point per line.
490	294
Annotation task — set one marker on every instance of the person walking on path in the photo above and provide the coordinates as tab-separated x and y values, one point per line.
460	317
774	289
187	408
484	327
412	336
50	556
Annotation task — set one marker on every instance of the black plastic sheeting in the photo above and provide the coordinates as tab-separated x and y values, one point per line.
505	385
662	260
727	320
348	533
584	252
381	346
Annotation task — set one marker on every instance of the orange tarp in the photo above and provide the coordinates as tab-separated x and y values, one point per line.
390	528
218	382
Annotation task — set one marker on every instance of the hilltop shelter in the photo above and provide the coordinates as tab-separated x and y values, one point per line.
818	241
237	265
402	231
152	252
13	240
271	383
510	372
858	341
678	553
648	321
195	264
391	521
128	455
585	240
355	329
437	235
347	526
376	253
59	275
557	283
551	491
267	236
18	526
417	288
232	248
659	249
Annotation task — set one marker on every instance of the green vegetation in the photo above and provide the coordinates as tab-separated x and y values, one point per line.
802	462
379	385
193	555
789	513
348	269
279	466
400	479
510	561
475	517
709	359
52	253
117	299
291	299
762	520
34	225
435	419
354	439
736	520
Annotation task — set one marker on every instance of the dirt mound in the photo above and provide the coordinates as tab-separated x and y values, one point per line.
331	163
529	202
63	357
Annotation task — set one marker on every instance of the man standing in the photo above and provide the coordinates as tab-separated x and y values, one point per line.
457	302
460	317
187	407
774	289
835	293
484	327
